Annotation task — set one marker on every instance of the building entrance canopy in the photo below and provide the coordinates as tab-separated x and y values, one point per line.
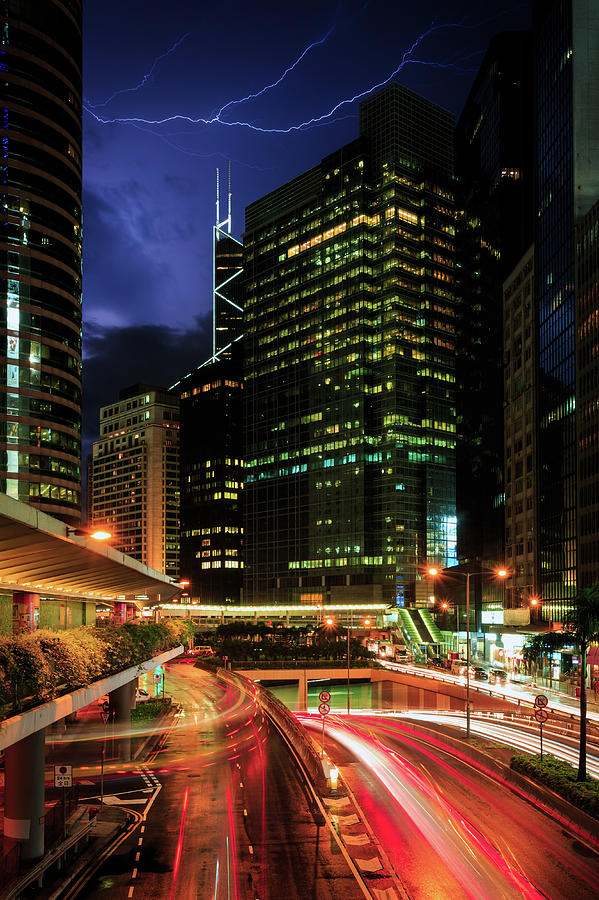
42	555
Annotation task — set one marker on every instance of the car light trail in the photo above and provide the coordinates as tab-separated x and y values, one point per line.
179	845
478	866
233	844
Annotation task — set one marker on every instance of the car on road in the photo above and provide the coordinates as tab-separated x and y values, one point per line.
141	696
497	676
479	673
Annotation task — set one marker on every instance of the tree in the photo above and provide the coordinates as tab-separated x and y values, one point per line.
581	630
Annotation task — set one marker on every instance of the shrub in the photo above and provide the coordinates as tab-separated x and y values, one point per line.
36	667
560	777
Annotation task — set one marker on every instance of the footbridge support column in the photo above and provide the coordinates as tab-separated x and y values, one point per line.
24	795
122	701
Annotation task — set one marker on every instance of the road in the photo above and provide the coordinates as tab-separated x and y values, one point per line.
449	831
231	820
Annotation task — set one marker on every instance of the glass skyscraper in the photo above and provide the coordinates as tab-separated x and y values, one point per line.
40	255
349	370
567	74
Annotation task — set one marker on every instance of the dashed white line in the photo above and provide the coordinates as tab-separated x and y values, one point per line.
140	842
137	855
245	812
130	894
134	873
251	849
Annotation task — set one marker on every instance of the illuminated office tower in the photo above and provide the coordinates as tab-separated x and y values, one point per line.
134	481
40	255
349	368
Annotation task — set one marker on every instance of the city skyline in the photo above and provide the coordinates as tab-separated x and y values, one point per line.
147	241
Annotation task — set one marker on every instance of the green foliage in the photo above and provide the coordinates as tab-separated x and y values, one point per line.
38	666
147	712
560	777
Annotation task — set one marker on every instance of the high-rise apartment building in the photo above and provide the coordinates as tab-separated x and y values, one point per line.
567	96
212	477
135	476
40	255
349	372
495	169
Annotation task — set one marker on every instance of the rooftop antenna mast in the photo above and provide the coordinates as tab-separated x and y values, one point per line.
221	229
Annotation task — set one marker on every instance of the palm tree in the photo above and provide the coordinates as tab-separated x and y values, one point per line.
582	629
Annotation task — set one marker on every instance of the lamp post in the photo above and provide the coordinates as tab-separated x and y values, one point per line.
501	573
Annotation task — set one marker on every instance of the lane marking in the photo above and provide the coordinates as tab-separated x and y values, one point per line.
130	894
134	874
251	849
140	842
137	855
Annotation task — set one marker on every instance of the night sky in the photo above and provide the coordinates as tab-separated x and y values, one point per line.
149	190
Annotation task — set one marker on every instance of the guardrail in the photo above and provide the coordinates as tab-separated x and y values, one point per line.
56	855
287	724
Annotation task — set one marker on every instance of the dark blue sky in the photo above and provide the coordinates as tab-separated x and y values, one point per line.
149	190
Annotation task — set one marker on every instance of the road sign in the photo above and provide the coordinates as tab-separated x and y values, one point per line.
157	679
63	776
324	696
541	701
104	717
541	715
324	709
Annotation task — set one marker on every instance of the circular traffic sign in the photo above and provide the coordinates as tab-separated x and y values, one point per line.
63	769
324	709
541	701
541	715
324	696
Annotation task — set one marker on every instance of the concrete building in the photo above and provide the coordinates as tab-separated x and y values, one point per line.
350	366
135	476
40	258
520	429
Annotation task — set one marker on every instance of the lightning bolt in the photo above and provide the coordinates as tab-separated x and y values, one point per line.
324	118
276	83
147	77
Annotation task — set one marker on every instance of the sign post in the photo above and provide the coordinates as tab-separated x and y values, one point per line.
541	715
324	709
63	777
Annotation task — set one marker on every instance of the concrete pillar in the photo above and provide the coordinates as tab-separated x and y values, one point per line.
303	691
120	613
121	702
25	612
24	795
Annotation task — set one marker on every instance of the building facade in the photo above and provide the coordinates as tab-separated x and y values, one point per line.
134	484
567	95
212	477
494	165
40	256
587	394
349	370
520	430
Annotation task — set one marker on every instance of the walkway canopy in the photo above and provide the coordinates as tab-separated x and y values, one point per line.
43	555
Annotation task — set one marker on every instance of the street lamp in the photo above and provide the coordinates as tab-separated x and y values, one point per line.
500	573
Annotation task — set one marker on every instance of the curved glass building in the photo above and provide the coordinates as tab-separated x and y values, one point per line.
40	254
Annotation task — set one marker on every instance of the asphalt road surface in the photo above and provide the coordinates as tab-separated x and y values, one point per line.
449	831
230	818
